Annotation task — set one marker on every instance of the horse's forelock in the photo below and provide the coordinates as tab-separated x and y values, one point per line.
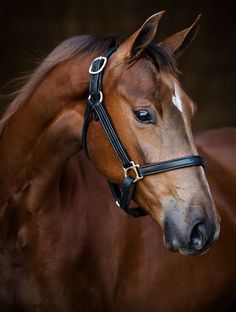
162	58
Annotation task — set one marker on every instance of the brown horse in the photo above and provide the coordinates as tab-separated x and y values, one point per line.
65	246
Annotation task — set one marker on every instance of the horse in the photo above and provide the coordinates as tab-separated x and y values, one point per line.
65	245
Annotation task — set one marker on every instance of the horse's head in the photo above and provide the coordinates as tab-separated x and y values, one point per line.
152	117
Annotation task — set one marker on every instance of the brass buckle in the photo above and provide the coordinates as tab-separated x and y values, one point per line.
134	168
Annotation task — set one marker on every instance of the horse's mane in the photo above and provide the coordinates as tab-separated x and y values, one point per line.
73	47
68	49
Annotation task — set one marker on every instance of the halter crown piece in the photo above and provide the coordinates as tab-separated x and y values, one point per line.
96	110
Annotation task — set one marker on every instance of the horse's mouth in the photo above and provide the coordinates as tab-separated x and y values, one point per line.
174	246
190	252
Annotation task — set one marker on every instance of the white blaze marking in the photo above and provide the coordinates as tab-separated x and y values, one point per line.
176	98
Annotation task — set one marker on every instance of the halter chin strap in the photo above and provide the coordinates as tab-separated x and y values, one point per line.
96	110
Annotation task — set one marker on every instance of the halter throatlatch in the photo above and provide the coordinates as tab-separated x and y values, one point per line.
96	110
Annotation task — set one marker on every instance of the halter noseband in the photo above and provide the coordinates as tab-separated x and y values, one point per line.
96	110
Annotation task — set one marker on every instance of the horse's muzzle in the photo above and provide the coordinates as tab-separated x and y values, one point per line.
194	239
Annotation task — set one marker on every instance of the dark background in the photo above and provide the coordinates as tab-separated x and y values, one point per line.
29	30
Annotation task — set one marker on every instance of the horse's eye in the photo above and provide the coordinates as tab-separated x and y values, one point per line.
143	115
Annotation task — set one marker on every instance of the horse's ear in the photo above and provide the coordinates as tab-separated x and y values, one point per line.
142	38
179	42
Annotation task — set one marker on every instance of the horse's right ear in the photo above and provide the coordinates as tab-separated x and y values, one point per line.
139	40
179	42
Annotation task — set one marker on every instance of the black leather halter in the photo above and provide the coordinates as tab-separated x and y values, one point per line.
96	110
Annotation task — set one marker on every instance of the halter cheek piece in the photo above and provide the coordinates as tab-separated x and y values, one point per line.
96	110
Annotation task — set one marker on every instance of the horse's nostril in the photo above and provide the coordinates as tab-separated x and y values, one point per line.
197	237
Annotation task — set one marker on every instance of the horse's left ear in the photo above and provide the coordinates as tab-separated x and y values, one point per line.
179	42
142	38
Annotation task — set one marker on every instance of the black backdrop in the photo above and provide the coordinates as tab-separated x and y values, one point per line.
29	30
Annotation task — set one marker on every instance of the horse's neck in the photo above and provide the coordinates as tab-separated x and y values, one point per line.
44	132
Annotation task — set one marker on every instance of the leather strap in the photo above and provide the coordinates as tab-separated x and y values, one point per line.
124	195
111	134
95	104
173	164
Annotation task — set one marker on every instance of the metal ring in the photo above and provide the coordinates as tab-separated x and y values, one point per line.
95	72
100	96
117	203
